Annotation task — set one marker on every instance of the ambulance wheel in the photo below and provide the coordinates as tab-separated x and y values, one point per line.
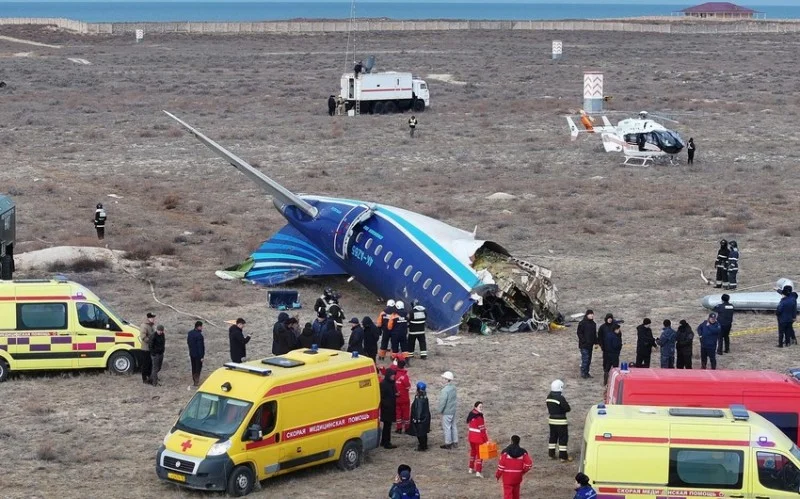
241	481
352	455
377	108
121	363
3	370
419	105
390	107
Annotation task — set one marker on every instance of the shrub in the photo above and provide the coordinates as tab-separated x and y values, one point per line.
171	201
82	264
46	453
140	252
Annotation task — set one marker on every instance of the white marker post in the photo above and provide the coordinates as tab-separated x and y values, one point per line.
593	91
557	49
139	35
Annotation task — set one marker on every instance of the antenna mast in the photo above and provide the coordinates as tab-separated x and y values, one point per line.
351	35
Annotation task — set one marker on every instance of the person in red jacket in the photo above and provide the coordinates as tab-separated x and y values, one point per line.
514	462
477	436
403	385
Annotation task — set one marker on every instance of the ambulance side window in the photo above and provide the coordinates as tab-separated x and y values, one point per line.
41	316
91	316
776	472
265	417
706	468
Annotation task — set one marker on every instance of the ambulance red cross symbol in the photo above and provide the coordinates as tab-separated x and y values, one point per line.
186	445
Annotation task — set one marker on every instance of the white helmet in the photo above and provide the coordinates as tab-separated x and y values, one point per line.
783	282
448	376
557	386
390	303
400	305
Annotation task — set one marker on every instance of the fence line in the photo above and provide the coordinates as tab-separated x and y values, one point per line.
641	25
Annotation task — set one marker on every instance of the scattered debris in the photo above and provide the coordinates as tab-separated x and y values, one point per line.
114	196
77	60
447	78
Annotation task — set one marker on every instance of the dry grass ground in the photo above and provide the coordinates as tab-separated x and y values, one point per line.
619	239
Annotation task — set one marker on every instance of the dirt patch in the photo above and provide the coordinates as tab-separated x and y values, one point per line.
618	239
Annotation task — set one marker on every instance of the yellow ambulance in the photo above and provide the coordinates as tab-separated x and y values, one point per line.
259	419
670	453
50	324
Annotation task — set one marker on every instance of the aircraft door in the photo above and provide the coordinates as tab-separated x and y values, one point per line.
344	232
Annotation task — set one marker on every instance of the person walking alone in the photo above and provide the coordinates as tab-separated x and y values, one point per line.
421	416
514	463
477	436
412	125
100	221
197	351
558	407
683	344
448	399
146	333
725	318
238	341
157	347
690	148
587	340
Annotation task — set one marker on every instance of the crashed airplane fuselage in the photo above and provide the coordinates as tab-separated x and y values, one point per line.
395	253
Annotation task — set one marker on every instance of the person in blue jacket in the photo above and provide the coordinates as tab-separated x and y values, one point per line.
197	350
583	489
786	312
709	332
667	342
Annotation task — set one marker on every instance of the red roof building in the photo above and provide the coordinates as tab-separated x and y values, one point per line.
719	10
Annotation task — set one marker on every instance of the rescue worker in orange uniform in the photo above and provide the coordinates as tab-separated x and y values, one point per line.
514	463
477	436
386	322
403	406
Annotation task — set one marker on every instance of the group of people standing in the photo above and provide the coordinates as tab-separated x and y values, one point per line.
727	265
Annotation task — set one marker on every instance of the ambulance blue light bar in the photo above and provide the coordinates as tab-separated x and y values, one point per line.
739	412
261	371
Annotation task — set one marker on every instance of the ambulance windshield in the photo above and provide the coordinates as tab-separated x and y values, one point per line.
213	415
113	313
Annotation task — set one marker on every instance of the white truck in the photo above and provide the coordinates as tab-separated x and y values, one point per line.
384	93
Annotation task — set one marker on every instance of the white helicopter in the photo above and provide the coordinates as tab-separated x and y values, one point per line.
640	139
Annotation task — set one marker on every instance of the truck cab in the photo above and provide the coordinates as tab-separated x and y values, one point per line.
421	90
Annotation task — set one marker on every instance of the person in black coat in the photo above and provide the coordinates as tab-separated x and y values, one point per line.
287	341
356	341
307	339
372	335
331	336
611	350
238	341
331	105
645	342
276	331
388	407
421	416
197	350
587	338
683	346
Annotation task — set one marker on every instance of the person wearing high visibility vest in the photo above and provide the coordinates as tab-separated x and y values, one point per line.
558	407
416	330
386	323
412	125
477	436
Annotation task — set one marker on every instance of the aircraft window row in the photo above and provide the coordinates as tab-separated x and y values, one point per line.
387	257
427	283
436	290
458	305
378	249
359	236
408	271
446	297
417	276
398	263
368	243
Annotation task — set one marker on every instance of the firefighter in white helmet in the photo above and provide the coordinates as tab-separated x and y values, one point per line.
400	331
558	407
385	323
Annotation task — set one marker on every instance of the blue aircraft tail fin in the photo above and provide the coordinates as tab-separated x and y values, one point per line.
288	255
